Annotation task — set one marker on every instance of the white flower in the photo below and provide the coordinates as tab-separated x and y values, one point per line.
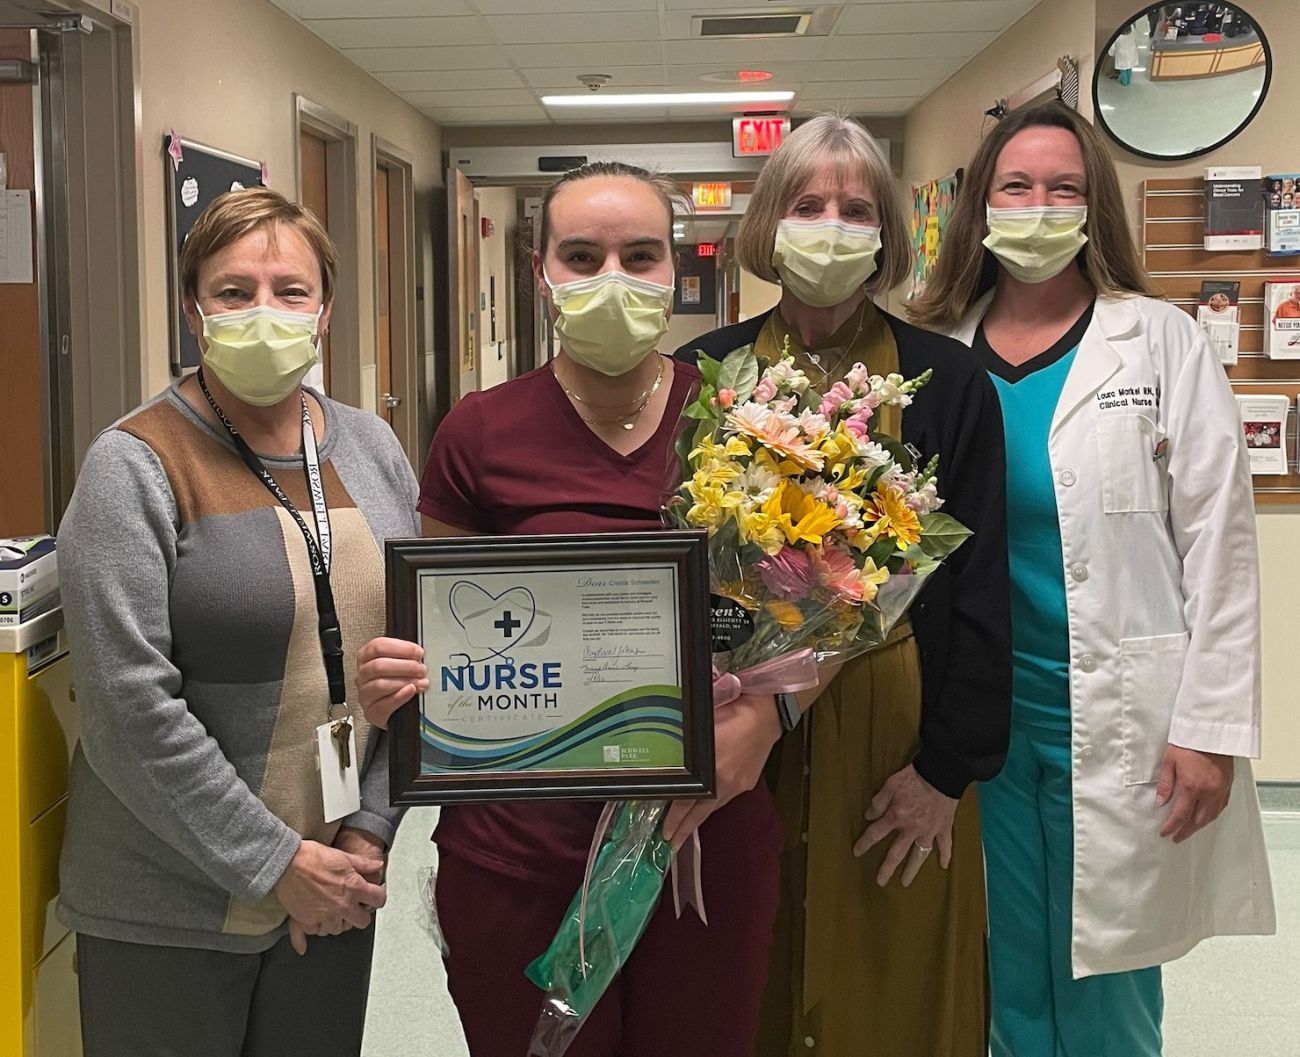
872	453
814	426
787	376
925	500
757	482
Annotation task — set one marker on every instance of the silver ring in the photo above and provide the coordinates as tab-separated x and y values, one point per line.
924	850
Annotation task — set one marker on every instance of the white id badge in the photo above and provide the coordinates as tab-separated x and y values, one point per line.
340	786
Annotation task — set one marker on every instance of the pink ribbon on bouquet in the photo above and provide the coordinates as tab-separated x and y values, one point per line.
786	674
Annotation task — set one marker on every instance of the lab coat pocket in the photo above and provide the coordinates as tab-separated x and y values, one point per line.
1151	670
1132	464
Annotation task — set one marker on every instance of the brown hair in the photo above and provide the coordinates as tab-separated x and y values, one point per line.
668	191
846	144
966	270
231	216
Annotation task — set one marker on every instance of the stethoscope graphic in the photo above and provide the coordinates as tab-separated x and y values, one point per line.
514	628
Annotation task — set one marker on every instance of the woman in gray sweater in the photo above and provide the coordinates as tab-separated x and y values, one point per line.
221	560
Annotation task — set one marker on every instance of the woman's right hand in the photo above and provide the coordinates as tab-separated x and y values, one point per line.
389	673
326	890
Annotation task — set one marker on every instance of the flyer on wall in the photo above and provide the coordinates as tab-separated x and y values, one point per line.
1263	420
1217	313
1282	319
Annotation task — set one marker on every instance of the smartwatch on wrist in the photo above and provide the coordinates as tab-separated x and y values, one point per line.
788	711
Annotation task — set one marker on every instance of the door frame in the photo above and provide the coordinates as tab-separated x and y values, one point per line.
405	382
88	217
340	136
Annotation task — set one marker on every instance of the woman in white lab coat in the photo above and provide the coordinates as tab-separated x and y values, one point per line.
1125	827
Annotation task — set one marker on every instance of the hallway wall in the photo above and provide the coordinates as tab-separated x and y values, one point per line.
224	74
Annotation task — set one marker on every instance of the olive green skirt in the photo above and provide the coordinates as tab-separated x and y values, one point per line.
858	970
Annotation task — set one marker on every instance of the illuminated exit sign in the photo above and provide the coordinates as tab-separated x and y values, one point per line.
711	195
706	249
754	136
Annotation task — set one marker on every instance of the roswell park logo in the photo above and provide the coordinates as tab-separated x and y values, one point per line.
494	628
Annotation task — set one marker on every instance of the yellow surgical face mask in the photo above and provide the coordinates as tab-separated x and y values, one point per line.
610	322
1036	243
260	354
824	262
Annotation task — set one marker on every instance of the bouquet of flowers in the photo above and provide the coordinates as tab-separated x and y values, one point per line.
822	531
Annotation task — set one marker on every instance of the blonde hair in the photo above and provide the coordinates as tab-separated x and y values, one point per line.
966	270
231	216
847	145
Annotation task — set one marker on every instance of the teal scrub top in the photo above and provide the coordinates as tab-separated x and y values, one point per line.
1040	631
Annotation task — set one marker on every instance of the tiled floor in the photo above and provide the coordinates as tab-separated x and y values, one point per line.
1238	997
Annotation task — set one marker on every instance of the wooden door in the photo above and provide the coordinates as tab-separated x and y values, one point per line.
23	412
315	196
463	296
383	297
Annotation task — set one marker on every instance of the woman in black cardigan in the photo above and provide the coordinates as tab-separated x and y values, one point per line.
868	959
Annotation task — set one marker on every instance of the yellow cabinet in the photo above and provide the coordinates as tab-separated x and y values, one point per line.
38	730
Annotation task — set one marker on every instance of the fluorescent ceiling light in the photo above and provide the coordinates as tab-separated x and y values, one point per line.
666	98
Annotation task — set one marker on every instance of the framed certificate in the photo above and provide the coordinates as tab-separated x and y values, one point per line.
560	667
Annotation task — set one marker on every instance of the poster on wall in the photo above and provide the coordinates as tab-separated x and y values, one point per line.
196	175
932	204
1263	420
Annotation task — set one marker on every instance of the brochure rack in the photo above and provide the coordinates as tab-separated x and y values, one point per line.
1173	227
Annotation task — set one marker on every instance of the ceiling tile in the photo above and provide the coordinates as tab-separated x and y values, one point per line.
866	89
488	115
956	16
885	69
558	7
449	80
400	32
597	58
374	8
458	100
562	77
908	45
789	71
609	116
744	54
387	60
577	29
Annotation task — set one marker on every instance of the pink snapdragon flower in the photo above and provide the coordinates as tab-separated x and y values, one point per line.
836	397
764	392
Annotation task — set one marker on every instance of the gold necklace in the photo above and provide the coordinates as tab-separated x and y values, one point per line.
627	421
841	351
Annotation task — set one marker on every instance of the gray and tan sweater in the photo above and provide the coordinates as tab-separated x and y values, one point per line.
188	597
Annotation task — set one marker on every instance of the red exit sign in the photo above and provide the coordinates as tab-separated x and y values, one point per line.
753	136
706	249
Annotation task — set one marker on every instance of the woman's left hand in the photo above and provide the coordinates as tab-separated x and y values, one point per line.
744	732
923	817
1199	783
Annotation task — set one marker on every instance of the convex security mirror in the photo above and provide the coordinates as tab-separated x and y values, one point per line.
1179	80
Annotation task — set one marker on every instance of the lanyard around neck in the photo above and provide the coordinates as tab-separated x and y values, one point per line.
331	636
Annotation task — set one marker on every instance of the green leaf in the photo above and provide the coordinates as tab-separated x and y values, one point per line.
698	410
881	550
708	368
941	534
739	371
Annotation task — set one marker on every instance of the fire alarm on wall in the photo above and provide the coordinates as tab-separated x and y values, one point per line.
486	227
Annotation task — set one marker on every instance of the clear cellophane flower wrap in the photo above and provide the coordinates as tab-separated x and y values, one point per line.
822	532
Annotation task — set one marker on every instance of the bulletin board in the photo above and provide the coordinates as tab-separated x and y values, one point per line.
932	204
196	175
1173	228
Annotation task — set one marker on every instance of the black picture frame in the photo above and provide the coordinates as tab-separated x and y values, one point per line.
686	550
1098	73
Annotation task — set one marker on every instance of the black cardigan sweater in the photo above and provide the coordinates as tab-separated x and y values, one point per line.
963	617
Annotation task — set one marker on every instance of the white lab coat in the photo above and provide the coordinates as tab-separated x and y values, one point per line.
1125	50
1157	518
